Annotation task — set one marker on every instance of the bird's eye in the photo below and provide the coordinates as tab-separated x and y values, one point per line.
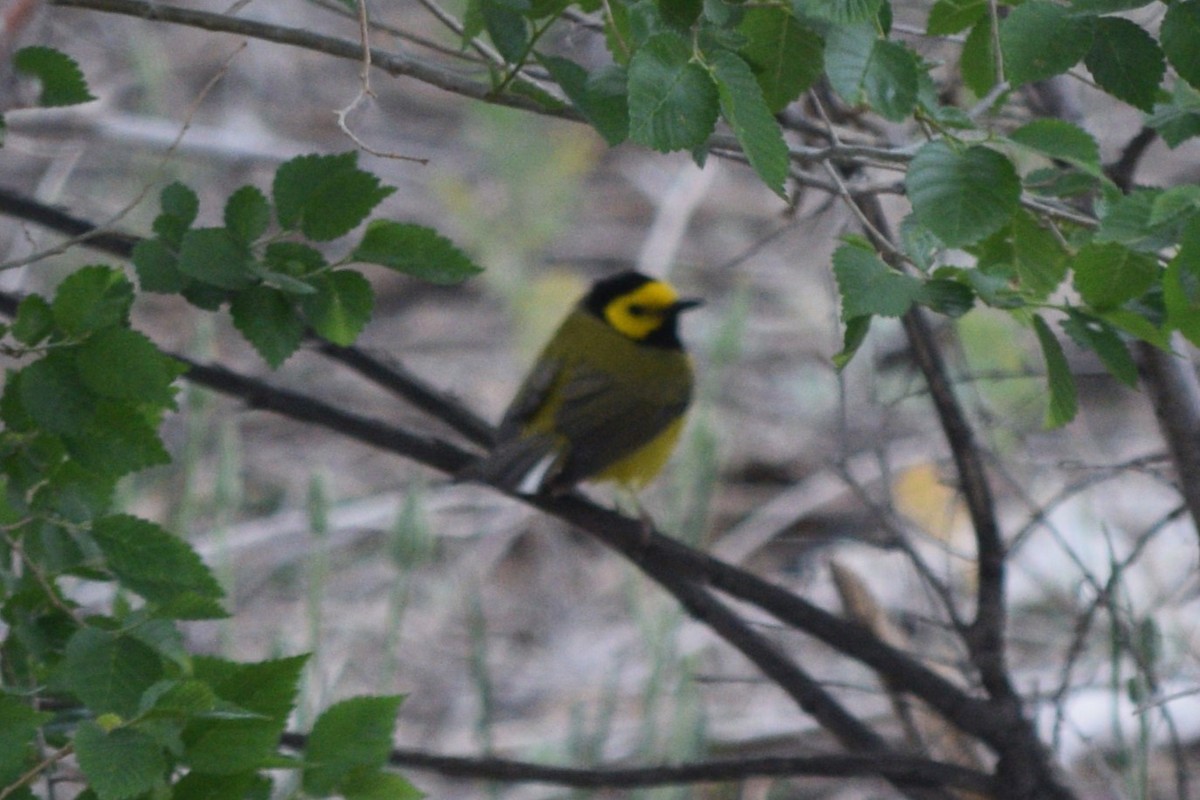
638	310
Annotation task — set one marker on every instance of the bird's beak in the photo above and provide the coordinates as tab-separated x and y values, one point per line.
683	305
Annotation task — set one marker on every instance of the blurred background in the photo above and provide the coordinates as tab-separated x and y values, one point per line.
509	633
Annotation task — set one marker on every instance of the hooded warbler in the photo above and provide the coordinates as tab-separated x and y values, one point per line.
605	399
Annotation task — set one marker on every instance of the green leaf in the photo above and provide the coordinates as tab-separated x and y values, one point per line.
1175	203
855	335
919	243
325	197
214	257
948	17
870	287
1180	37
353	733
365	784
157	267
179	205
268	319
842	12
673	102
18	725
293	259
506	27
1126	62
226	746
1093	333
1181	284
340	307
152	562
948	296
1127	220
1063	402
602	97
753	124
1106	6
1178	120
414	250
1136	325
1039	257
92	298
34	321
62	80
785	54
1041	39
125	365
119	764
205	786
55	397
1060	140
962	195
1109	274
109	671
864	68
978	62
247	214
118	440
680	13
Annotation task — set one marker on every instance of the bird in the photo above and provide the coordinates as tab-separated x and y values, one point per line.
605	400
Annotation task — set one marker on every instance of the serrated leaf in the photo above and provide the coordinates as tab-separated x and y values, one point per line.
62	80
365	784
1126	62
247	214
601	97
108	670
233	745
350	734
870	287
1063	401
92	298
325	197
214	257
340	306
157	267
1092	333
1175	203
962	195
1181	284
118	440
1178	120
1060	140
150	561
1041	39
978	63
1180	38
785	54
268	319
1136	325
506	27
178	200
34	320
55	397
414	250
1127	220
1106	6
673	102
120	763
125	365
842	12
18	725
947	17
855	334
946	296
865	69
1039	257
293	259
753	124
1109	274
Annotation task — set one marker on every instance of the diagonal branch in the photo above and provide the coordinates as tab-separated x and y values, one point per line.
900	770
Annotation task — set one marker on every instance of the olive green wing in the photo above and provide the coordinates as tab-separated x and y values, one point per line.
523	461
604	421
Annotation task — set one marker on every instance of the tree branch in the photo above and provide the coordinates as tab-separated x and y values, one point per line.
900	770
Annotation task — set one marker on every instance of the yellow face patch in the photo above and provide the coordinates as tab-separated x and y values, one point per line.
642	311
